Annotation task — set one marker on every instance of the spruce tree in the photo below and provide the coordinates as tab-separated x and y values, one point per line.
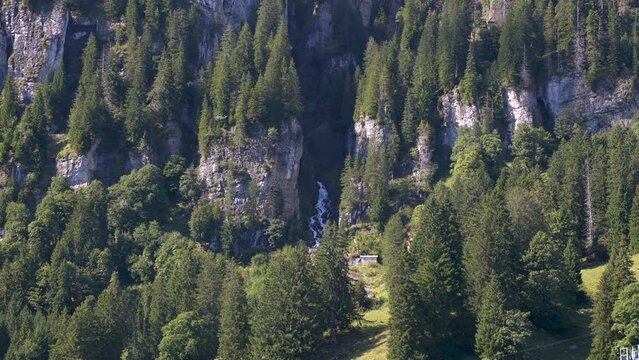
31	135
269	15
234	317
284	326
469	86
406	334
565	30
633	224
8	117
593	49
546	291
439	279
335	285
88	114
490	250
452	42
615	278
421	99
501	331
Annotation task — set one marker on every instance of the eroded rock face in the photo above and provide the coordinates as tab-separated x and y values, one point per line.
456	114
423	166
78	169
37	41
598	109
368	132
270	163
216	16
521	106
497	11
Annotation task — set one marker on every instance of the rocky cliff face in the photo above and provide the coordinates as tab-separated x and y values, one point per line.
36	41
522	108
268	161
216	16
456	114
599	109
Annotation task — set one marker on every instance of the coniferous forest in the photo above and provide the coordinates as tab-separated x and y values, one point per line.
319	179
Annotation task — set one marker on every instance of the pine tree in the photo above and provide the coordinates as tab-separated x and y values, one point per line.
547	295
490	250
8	117
132	19
615	278
406	340
269	15
565	30
114	8
224	84
550	36
635	46
234	313
452	43
412	16
633	224
283	327
437	249
613	61
88	114
30	137
517	54
469	86
500	331
336	289
593	49
421	99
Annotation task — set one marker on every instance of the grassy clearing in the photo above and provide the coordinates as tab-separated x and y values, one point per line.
368	339
591	275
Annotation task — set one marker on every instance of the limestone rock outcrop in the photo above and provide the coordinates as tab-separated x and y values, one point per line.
268	160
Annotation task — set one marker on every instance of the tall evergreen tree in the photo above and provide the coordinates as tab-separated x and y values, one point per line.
490	250
406	337
287	321
452	42
421	99
500	330
234	317
439	279
335	287
615	278
88	114
8	117
593	49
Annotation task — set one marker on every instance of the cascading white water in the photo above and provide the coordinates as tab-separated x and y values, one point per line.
317	222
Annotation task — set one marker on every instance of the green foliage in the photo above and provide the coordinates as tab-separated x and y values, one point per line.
406	339
469	85
546	290
593	49
335	286
624	316
490	250
500	331
234	319
452	42
283	326
614	279
8	117
185	337
439	277
88	116
518	45
532	146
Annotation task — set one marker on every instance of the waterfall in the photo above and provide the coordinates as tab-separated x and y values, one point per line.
318	221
